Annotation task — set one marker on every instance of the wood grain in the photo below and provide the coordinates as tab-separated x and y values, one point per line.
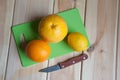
118	46
72	72
6	13
26	10
101	17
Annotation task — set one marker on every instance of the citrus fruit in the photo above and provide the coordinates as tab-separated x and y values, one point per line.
53	28
77	41
38	50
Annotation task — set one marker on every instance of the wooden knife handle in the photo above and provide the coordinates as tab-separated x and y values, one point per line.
73	60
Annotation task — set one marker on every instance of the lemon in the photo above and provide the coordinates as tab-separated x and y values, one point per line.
77	41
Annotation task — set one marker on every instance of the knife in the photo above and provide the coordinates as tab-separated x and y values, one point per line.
65	64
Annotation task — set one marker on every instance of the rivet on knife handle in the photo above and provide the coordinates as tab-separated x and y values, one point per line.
73	60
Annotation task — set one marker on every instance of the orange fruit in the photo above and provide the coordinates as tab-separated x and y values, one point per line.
53	28
77	41
38	50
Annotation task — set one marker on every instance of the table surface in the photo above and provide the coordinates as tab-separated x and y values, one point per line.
102	23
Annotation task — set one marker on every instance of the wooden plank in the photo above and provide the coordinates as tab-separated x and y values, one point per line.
101	17
6	13
72	72
26	10
118	46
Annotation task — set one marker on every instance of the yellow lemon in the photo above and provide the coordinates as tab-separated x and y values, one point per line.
77	41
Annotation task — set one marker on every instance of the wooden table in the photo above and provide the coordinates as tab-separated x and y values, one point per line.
102	23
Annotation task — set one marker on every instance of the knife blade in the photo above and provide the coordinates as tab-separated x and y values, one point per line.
65	64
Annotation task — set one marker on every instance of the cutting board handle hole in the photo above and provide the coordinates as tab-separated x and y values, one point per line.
23	42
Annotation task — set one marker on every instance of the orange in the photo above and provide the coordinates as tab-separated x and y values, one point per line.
53	28
77	41
38	50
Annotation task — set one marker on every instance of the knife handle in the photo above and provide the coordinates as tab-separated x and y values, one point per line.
73	60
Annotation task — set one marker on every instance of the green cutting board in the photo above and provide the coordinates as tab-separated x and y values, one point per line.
29	30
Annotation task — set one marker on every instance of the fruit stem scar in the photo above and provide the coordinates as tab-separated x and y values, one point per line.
53	26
